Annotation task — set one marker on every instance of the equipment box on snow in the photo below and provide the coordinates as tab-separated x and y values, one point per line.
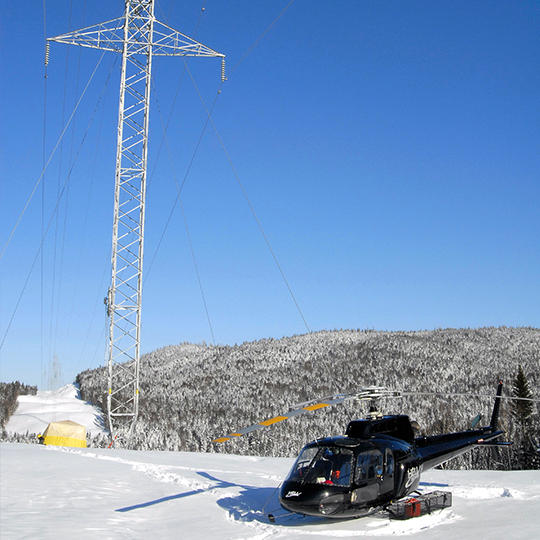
423	504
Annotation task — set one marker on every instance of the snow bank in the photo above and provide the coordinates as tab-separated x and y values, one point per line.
35	413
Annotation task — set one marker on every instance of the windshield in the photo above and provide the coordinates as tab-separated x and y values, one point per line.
323	465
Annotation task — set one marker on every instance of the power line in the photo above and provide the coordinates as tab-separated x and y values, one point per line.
260	38
250	205
44	234
50	158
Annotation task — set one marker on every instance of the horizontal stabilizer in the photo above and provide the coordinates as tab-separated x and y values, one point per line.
495	443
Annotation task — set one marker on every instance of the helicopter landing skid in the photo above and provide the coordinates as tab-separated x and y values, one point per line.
272	517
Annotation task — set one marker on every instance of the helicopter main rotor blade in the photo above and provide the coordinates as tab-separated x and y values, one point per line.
466	394
313	405
370	392
276	419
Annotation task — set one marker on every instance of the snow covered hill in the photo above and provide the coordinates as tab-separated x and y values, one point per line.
191	394
34	413
61	493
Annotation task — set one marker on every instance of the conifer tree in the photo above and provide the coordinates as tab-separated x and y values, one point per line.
527	451
522	408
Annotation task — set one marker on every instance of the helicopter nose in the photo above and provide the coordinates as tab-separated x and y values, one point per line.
313	504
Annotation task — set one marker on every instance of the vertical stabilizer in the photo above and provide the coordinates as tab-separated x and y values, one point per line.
495	416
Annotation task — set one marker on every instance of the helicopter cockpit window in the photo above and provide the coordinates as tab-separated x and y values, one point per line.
303	464
368	466
326	465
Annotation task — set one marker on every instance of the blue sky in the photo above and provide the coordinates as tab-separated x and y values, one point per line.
390	151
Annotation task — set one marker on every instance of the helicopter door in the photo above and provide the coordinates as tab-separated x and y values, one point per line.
387	477
374	475
369	469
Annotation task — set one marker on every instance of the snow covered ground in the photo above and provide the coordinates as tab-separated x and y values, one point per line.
62	493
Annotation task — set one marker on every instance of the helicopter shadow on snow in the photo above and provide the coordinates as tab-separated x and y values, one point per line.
159	501
240	508
183	495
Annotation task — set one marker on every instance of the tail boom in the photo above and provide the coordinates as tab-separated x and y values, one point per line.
438	449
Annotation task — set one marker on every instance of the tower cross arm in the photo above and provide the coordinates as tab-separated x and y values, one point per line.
169	42
109	36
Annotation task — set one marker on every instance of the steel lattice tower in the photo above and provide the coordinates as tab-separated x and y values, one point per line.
138	36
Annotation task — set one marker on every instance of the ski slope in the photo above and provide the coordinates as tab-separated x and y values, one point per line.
87	493
61	493
35	413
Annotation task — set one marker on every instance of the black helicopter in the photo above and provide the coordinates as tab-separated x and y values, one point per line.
377	461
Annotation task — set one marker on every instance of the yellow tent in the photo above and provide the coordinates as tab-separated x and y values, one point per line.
65	433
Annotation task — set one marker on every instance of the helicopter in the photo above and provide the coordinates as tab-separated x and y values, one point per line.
377	461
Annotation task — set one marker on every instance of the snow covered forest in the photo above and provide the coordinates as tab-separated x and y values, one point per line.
191	394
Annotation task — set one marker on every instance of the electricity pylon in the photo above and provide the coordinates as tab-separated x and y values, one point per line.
138	36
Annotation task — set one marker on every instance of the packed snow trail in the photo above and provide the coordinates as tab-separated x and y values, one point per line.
59	493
